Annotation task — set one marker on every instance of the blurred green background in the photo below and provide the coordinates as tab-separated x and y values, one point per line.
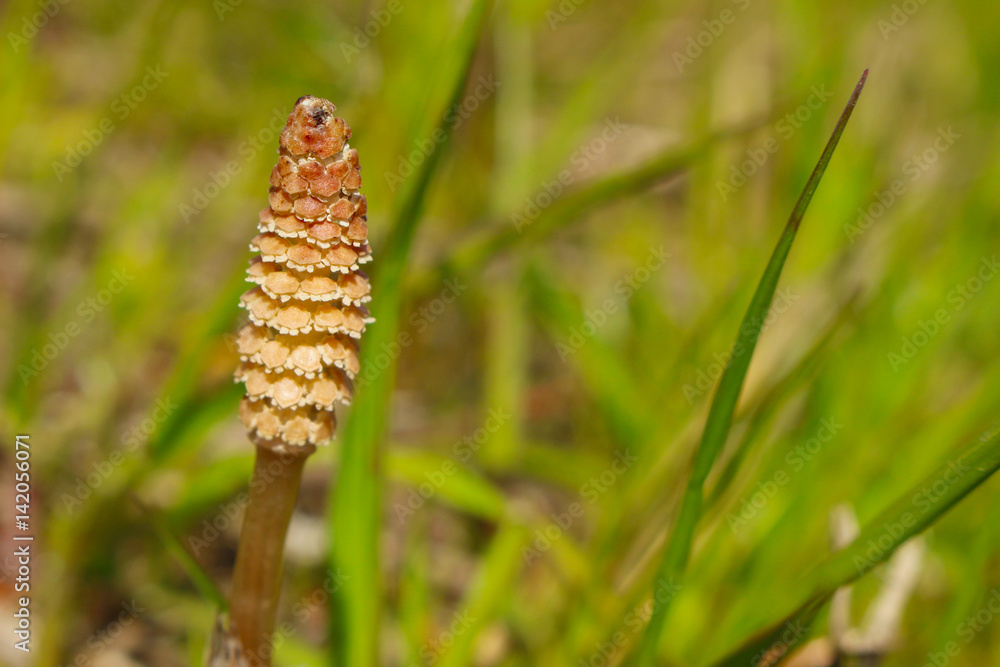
616	177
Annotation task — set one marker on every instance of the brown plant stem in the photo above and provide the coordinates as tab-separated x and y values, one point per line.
274	490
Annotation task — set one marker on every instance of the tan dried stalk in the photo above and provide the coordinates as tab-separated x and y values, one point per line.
299	351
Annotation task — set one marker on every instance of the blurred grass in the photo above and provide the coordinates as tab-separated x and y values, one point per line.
876	543
727	394
492	540
355	504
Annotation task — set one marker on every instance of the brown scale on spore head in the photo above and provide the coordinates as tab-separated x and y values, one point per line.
299	350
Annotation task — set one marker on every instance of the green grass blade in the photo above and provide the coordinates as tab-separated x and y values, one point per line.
503	235
465	489
720	414
601	365
199	578
769	404
908	516
355	504
487	596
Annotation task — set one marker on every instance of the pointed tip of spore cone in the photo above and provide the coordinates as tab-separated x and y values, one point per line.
313	129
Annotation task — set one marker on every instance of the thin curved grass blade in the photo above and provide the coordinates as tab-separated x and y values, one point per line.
907	517
720	414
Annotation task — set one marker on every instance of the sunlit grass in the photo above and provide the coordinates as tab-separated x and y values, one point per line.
529	332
